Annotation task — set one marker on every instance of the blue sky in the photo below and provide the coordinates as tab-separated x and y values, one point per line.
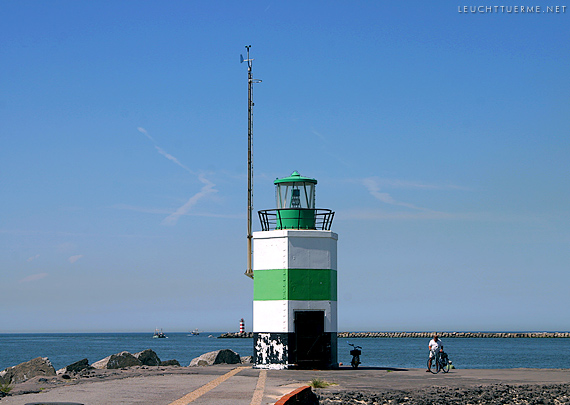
440	139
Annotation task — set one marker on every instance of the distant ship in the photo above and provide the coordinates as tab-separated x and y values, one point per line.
195	332
158	334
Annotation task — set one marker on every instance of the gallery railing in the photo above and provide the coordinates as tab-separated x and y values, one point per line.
296	218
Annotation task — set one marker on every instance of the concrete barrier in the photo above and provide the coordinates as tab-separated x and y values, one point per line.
302	395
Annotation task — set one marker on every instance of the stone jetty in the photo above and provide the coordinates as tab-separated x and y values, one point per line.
354	335
236	335
454	334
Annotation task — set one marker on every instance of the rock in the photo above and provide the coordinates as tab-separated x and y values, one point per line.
224	356
246	359
170	363
123	359
119	360
101	364
40	366
78	366
148	357
227	356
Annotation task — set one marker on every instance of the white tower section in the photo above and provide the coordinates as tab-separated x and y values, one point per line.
295	298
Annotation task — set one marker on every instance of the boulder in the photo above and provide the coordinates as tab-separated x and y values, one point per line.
224	356
78	366
101	364
148	358
40	366
170	363
119	360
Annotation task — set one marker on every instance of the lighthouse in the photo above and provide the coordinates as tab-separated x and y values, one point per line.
295	281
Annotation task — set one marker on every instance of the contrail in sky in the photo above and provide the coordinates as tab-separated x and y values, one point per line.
373	188
141	129
207	189
33	277
33	258
172	158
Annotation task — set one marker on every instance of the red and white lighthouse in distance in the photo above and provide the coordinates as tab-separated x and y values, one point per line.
241	326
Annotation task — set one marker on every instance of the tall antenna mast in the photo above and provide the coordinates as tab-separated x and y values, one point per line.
250	82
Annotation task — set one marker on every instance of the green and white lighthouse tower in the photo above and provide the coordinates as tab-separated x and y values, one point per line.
295	281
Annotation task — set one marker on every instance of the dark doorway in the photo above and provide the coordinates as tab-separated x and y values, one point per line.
312	350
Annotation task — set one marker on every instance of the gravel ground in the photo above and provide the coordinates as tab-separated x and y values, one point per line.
551	394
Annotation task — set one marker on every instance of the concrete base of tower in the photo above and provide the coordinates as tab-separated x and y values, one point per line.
290	350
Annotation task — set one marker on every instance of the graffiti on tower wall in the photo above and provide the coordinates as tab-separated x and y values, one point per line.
271	350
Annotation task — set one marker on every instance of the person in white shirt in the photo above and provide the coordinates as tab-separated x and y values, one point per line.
435	346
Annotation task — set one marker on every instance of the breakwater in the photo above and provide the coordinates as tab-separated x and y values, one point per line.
354	335
454	334
236	335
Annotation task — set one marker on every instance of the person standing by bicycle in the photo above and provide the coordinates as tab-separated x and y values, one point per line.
435	347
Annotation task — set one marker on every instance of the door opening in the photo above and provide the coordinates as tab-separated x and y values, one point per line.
312	349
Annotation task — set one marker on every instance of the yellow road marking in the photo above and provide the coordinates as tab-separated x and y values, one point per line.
259	388
186	399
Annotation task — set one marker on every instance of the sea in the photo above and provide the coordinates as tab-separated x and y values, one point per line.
66	348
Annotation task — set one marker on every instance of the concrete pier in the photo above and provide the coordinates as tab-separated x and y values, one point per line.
238	385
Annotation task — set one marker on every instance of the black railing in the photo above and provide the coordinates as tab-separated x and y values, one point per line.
271	219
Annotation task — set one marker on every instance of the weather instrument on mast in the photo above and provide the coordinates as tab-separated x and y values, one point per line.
250	82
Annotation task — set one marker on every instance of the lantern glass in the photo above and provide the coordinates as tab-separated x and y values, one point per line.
295	195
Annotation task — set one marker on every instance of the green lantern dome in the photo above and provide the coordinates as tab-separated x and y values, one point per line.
294	178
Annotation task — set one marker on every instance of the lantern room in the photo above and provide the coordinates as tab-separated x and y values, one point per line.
295	197
295	201
295	192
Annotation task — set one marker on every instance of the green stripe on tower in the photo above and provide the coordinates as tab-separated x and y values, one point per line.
295	284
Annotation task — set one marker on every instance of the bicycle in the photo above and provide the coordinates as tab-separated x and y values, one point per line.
440	362
355	353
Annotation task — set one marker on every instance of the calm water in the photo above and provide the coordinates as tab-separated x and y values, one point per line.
66	348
